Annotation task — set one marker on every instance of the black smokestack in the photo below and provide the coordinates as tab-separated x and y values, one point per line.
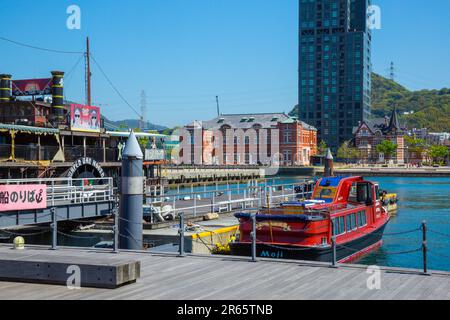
58	108
5	87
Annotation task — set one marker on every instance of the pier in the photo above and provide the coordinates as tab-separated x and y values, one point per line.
395	171
165	276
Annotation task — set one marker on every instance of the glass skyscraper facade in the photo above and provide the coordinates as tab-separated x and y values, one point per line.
334	67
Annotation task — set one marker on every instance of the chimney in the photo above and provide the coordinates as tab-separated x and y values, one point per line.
58	109
5	87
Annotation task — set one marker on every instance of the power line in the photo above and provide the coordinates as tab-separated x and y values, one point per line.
114	87
69	75
143	110
39	48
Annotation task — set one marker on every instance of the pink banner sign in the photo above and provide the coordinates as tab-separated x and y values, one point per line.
23	197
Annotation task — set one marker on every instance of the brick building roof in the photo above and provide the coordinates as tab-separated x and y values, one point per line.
248	121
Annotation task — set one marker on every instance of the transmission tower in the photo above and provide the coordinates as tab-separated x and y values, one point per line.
392	72
143	120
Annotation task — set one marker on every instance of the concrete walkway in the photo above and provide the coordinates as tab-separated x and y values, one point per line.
172	278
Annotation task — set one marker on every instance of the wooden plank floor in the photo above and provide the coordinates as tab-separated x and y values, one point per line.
221	278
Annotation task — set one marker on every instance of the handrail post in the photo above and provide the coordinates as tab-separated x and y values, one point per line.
195	205
181	232
54	227
253	237
425	248
259	190
116	230
245	199
334	254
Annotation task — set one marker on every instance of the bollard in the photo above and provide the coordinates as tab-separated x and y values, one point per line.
181	232
116	231
131	193
253	236
425	248
54	227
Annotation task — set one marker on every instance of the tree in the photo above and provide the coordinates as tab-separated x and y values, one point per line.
347	152
322	148
438	153
416	146
387	147
143	141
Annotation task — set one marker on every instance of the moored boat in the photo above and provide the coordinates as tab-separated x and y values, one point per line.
349	210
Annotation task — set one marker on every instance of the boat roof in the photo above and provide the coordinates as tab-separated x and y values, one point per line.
331	182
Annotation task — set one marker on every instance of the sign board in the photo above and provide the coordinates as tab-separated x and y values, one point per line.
155	155
32	87
83	162
23	197
84	118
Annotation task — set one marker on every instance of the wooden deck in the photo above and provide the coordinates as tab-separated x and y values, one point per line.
222	278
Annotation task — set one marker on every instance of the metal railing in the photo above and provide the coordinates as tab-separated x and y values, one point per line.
63	191
229	199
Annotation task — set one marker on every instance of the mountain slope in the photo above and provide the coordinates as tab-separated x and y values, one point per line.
133	124
431	107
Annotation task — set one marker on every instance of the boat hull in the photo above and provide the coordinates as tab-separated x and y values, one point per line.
348	252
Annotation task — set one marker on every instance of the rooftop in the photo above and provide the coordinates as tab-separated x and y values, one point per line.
248	121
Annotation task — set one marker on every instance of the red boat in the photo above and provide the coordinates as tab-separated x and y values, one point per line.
348	209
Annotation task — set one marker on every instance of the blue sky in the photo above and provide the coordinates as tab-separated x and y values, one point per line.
185	52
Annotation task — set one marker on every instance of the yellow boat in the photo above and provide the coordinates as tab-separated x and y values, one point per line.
390	202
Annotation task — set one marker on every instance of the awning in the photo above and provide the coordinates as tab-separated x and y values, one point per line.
28	129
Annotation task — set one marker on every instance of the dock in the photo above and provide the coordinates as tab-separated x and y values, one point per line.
168	277
395	171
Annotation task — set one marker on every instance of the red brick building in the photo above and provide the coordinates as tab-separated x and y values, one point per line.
249	139
370	133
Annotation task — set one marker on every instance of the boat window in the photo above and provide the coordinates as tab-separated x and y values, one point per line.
377	191
352	196
325	193
353	221
349	223
342	225
361	192
338	226
362	220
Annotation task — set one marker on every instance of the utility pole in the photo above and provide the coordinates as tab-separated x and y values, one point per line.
88	73
143	110
218	106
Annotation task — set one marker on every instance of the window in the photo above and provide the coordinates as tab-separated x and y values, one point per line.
335	227
342	225
338	226
354	221
351	222
362	221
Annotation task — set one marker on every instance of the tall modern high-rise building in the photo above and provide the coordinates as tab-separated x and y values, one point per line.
334	67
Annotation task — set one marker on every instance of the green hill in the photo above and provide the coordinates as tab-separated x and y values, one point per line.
431	107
